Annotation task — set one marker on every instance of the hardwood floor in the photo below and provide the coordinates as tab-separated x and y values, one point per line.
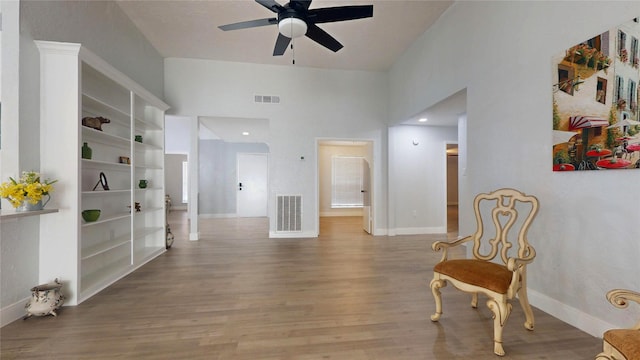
236	294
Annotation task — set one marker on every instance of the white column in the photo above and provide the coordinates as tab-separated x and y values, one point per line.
194	164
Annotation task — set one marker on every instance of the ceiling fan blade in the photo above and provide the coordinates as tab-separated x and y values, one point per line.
281	45
340	13
323	38
300	4
271	5
249	24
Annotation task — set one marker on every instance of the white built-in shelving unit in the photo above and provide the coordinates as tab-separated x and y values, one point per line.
89	256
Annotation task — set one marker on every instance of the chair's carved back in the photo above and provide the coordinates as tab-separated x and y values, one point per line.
505	201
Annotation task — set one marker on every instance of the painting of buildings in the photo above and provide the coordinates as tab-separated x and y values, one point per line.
595	102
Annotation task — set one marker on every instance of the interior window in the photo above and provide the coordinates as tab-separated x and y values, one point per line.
346	182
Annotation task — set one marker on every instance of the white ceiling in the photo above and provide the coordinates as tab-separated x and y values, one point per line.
189	29
234	129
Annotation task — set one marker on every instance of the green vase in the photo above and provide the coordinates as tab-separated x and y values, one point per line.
86	151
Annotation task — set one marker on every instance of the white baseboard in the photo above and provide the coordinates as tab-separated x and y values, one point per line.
419	231
289	235
380	232
217	216
572	316
13	312
194	236
339	213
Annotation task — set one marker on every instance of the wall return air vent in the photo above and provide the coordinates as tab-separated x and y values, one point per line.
267	99
289	213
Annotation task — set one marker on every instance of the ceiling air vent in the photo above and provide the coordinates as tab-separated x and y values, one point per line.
266	99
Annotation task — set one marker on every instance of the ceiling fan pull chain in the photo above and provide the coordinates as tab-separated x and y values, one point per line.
293	50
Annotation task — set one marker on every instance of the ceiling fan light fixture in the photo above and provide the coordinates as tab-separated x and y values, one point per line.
292	27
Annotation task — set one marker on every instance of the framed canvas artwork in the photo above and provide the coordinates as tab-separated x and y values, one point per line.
595	102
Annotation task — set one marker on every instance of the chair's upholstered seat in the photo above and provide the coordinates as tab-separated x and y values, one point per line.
626	341
484	274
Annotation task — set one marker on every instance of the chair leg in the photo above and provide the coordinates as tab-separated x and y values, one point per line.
501	311
436	284
474	300
526	307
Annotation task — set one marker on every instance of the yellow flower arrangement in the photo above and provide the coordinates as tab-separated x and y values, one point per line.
28	188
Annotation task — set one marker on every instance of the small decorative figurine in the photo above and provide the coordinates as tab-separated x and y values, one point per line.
137	207
45	300
95	122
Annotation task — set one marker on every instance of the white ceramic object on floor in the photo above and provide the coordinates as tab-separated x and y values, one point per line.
45	300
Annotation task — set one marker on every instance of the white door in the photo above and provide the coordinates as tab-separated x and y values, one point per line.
251	188
366	196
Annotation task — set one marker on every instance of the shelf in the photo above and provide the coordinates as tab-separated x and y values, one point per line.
148	167
93	135
148	189
96	280
146	145
105	192
147	253
148	210
98	164
96	107
107	219
12	214
105	246
76	84
147	231
146	125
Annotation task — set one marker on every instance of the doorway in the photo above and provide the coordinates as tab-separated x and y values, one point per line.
356	213
252	184
452	189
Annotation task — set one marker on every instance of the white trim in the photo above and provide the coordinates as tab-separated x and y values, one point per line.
13	312
572	316
380	232
288	235
103	67
194	236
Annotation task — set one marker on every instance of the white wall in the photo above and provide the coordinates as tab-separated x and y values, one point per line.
315	103
418	176
218	176
173	179
177	135
103	28
586	233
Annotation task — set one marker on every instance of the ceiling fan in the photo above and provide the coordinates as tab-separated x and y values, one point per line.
296	19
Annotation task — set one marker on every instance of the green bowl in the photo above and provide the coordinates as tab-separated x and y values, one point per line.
91	215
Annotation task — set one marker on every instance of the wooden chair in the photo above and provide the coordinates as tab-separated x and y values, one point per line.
499	281
621	344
